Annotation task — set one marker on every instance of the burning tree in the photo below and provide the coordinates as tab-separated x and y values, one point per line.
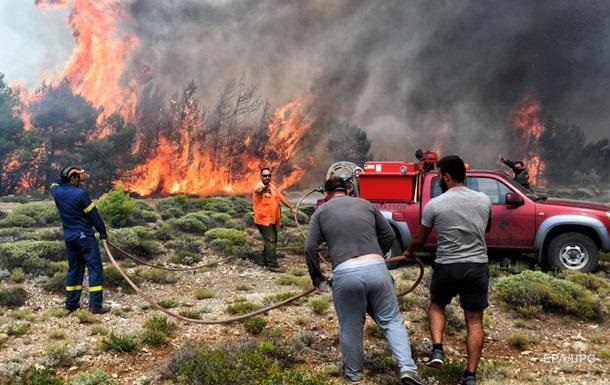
11	130
221	152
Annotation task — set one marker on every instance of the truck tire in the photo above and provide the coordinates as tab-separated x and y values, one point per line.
573	251
396	250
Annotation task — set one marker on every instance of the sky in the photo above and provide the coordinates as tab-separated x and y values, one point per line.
35	43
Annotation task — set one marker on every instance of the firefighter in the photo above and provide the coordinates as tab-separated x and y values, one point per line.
266	200
521	174
78	216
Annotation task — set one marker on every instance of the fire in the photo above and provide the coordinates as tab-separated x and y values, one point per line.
528	121
98	62
188	167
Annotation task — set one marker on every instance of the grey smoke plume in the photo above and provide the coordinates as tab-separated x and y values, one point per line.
398	69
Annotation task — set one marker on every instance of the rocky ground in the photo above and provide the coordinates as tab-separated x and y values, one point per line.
558	349
562	350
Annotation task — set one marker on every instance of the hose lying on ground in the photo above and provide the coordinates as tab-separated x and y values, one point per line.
241	317
154	303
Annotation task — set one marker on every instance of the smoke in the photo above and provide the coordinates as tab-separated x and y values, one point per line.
399	69
34	44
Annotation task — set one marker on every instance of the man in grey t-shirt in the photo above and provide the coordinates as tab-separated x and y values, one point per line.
461	217
357	236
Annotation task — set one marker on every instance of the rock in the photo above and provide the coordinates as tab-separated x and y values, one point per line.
526	352
580	346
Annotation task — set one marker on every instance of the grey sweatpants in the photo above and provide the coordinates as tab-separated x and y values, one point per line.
362	289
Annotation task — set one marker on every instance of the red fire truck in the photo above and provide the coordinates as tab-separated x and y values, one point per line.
563	234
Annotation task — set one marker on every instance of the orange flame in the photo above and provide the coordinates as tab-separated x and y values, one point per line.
98	62
186	168
527	119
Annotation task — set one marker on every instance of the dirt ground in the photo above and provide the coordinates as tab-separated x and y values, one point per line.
562	351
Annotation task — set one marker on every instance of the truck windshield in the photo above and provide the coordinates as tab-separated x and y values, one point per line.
529	193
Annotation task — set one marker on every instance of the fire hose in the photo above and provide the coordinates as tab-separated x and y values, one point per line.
241	317
154	303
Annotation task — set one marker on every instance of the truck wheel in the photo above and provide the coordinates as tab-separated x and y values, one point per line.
396	250
573	251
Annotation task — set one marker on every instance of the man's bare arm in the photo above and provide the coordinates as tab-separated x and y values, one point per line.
419	240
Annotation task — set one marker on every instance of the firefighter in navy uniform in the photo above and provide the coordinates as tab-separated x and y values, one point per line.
78	216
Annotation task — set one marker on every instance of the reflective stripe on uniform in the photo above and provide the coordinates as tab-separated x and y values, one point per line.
74	288
89	208
53	185
95	288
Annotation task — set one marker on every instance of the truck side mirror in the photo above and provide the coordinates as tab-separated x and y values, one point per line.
513	199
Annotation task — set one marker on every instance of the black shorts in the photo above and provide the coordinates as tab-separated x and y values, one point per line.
469	280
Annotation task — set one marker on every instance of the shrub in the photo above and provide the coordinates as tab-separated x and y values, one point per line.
32	256
158	276
86	317
18	329
119	343
519	341
216	204
98	329
157	330
185	258
18	276
59	266
372	330
21	314
201	293
96	377
36	376
531	291
114	279
148	216
167	303
589	281
43	213
171	212
320	304
275	298
230	242
235	364
56	283
194	223
233	235
117	207
291	280
164	232
177	201
185	243
12	297
190	313
240	306
59	354
17	220
255	325
128	240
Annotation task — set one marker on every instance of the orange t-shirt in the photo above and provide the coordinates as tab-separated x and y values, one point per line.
266	206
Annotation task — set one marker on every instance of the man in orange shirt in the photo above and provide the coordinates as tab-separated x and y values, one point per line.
266	200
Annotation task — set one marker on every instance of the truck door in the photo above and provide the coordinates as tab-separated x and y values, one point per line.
512	227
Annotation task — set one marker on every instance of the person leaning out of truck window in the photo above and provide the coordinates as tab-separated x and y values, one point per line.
266	199
461	217
521	175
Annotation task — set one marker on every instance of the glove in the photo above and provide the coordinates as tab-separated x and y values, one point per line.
103	236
